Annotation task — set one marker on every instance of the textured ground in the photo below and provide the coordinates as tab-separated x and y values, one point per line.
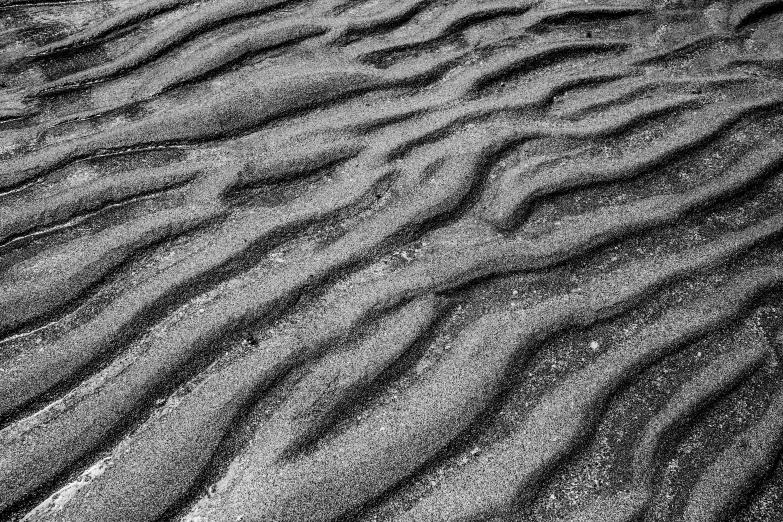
411	260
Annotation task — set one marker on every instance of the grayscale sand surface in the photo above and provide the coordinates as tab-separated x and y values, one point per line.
391	260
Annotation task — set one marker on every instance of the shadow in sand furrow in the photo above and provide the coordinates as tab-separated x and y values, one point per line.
39	286
680	50
506	115
12	106
150	471
461	16
730	242
212	57
13	113
95	32
772	64
237	244
202	62
249	300
282	161
289	349
201	18
10	3
508	65
728	483
240	165
709	385
350	29
246	102
243	305
517	189
617	93
543	91
510	472
215	55
245	177
455	19
436	275
582	13
208	124
620	120
363	461
52	207
748	13
583	233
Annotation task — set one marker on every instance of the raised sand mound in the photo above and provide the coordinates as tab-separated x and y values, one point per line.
410	260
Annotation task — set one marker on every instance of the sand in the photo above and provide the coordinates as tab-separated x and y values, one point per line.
410	260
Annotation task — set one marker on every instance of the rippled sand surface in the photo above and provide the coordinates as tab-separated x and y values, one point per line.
410	260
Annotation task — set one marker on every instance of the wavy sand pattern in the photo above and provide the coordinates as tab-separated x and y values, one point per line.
410	260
